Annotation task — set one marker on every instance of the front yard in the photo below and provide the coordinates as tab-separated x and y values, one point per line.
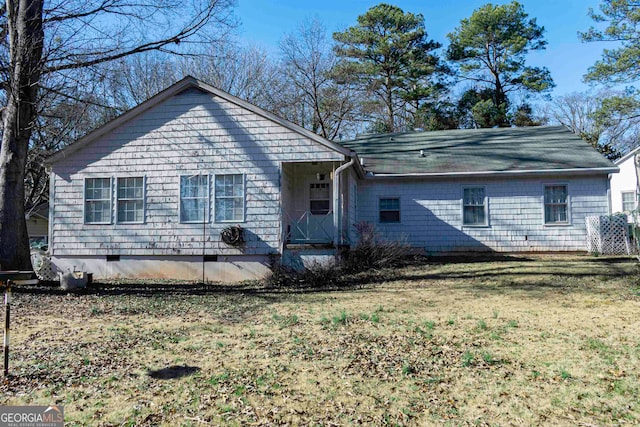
521	341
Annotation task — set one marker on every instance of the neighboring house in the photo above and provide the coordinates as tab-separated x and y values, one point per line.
625	190
38	224
154	192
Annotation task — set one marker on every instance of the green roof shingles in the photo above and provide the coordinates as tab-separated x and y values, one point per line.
477	151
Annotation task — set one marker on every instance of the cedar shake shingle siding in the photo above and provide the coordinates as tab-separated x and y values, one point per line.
192	132
431	213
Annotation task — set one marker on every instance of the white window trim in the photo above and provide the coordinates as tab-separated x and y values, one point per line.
485	205
635	200
84	200
399	221
207	215
144	200
544	219
244	200
309	199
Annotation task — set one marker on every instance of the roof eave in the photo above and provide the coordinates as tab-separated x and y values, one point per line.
627	156
574	171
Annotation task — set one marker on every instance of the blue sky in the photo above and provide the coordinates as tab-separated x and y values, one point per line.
265	22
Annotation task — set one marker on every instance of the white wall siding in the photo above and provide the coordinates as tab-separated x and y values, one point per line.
191	133
431	213
621	182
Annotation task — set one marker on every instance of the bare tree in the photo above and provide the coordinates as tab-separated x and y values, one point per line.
61	36
243	71
599	118
63	116
24	28
321	104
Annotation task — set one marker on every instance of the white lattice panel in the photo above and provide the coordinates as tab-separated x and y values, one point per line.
41	262
608	235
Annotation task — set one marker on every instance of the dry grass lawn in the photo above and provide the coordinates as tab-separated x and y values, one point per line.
523	341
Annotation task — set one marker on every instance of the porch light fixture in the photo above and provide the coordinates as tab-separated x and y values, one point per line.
421	153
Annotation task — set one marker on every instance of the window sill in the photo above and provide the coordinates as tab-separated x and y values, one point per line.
558	224
476	226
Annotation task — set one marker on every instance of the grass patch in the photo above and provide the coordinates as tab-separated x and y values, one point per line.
517	341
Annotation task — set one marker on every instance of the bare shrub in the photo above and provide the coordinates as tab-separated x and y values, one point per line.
316	275
373	251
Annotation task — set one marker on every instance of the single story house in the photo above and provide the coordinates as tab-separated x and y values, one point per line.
195	183
625	186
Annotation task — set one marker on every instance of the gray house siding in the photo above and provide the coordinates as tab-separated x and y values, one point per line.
287	174
431	213
191	133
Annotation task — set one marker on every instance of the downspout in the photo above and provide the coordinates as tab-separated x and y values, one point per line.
609	195
337	206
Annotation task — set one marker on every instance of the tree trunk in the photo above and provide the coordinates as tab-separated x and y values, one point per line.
391	123
24	26
501	103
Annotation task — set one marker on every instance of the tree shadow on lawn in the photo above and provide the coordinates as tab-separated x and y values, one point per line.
159	289
172	372
487	272
514	273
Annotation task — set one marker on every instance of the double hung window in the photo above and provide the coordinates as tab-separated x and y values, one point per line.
474	206
556	204
194	198
97	201
389	209
229	196
130	200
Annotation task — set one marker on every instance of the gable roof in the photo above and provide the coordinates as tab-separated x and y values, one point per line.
182	85
628	155
527	150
